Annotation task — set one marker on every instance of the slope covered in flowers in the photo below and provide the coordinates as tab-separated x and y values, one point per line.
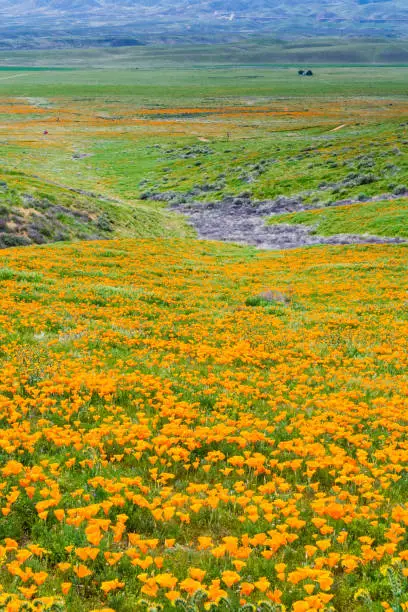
167	436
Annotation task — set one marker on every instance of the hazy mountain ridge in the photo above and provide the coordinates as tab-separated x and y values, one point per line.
322	9
155	19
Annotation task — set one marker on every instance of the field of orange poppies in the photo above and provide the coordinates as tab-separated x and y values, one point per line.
172	438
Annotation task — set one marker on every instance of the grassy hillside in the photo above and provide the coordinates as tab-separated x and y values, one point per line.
34	211
168	430
385	218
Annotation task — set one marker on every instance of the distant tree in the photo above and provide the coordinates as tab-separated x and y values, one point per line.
301	72
309	73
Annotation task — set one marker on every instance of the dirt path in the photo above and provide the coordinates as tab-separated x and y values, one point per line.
339	127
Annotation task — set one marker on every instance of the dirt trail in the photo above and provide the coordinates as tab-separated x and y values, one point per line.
339	127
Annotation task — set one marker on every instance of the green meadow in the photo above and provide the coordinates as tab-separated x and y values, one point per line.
135	124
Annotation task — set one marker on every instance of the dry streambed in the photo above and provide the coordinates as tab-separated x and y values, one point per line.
239	219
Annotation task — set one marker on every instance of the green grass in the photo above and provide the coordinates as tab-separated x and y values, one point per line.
187	85
388	218
39	211
254	51
323	173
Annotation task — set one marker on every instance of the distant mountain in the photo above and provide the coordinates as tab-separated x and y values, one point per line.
154	20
